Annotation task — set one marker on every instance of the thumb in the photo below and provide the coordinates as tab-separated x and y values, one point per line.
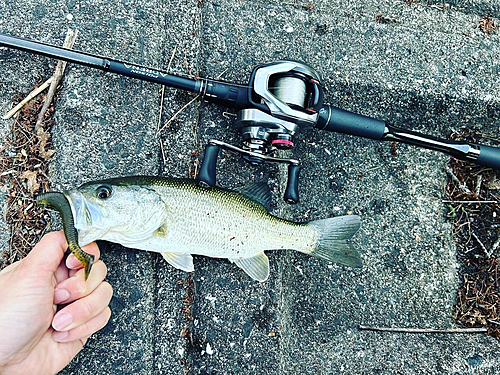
49	252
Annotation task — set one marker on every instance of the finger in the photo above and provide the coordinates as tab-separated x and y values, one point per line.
48	253
76	287
61	273
84	309
73	272
91	248
80	271
83	331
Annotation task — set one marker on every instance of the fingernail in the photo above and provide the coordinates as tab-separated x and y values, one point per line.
72	262
61	295
62	320
59	336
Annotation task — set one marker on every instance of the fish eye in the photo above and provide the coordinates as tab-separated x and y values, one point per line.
103	192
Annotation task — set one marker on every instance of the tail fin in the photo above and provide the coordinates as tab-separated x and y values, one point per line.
334	240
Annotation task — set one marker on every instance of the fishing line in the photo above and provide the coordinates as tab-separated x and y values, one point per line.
291	90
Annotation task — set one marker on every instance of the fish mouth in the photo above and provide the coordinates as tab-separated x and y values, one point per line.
88	217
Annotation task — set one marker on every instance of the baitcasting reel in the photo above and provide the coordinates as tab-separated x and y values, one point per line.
285	95
281	98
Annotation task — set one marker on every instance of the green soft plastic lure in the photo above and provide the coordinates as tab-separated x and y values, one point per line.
59	202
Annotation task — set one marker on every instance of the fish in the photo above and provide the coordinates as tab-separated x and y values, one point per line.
178	219
59	202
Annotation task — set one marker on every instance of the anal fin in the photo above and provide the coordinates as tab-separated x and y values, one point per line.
257	267
180	261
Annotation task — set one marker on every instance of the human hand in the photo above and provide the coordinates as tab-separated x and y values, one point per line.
36	338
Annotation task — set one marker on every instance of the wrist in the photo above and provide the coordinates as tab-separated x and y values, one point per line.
6	369
6	364
16	367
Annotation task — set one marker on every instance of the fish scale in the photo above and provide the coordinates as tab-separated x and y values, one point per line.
231	230
235	228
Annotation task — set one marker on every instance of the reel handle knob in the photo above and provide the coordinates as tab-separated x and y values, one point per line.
206	177
292	186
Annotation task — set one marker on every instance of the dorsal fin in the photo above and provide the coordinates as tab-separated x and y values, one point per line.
258	192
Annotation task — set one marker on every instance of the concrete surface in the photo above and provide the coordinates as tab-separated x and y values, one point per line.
432	71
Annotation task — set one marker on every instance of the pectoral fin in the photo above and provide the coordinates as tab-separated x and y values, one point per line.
180	261
256	267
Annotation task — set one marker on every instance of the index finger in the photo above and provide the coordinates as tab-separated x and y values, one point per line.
48	253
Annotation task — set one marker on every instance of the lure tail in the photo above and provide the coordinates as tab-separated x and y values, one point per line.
334	235
59	202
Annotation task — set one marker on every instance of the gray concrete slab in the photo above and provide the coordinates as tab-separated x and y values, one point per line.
431	71
20	79
409	279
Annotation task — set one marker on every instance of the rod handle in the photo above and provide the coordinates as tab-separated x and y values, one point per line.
341	121
489	157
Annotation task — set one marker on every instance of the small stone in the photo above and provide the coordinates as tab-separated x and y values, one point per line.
209	349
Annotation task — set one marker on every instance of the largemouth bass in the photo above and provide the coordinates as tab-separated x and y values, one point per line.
178	218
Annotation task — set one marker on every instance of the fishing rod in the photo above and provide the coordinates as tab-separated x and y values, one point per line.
280	98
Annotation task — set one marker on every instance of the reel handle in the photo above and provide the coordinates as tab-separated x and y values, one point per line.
207	175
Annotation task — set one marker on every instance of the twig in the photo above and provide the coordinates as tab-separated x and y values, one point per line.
494	246
171	58
56	77
371	170
5	173
163	92
163	154
30	96
161	107
440	7
423	330
177	114
486	252
224	71
184	107
471	202
479	180
455	179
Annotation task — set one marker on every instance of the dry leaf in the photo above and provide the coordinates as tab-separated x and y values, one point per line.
31	182
493	185
44	137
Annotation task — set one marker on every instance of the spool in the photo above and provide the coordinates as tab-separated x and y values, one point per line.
290	90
